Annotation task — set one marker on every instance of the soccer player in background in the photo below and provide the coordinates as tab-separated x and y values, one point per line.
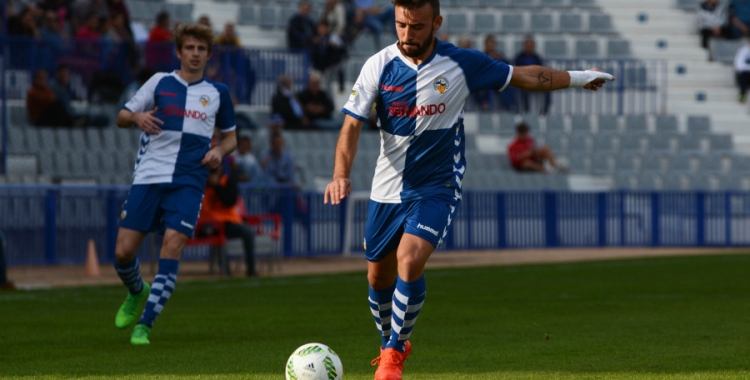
177	112
419	86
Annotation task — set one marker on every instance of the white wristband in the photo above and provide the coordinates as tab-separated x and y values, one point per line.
582	78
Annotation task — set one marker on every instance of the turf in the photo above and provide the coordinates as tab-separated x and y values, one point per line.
675	318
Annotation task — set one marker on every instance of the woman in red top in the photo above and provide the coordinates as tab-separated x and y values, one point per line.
525	156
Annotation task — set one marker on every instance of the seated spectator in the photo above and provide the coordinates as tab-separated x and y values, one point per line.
532	102
82	10
286	104
90	28
465	42
335	15
712	21
205	20
739	15
43	107
158	52
275	123
444	36
301	28
327	53
63	94
489	100
742	70
219	205
162	31
277	163
374	19
228	37
247	166
317	105
23	24
4	283
525	156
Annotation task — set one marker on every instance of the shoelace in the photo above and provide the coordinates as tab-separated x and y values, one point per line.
392	359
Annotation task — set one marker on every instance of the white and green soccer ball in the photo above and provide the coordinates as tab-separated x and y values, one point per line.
314	361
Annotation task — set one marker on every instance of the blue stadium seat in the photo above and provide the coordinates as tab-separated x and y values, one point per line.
485	23
698	124
556	49
578	163
680	163
618	49
456	23
513	23
571	23
525	3
666	124
661	142
555	124
689	143
587	49
602	142
267	17
602	163
720	143
608	124
636	124
553	3
580	123
631	143
583	3
579	142
601	24
626	163
711	163
542	23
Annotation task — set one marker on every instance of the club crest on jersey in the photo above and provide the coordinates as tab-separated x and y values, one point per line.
123	215
205	100
441	84
353	95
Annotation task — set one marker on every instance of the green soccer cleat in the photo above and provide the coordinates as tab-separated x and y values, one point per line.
140	335
129	309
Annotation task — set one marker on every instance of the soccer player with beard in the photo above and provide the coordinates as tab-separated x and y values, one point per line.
419	86
177	112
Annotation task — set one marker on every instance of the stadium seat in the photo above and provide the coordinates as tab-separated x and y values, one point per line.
720	143
600	24
247	15
16	143
542	23
485	23
583	3
653	163
608	124
724	50
711	163
680	163
649	181
571	23
579	142
487	123
666	124
285	15
553	3
31	140
602	163
631	143
618	49
636	124
578	163
626	163
688	5
661	143
267	17
555	124
602	142
525	3
580	123
587	49
557	142
513	23
698	124
456	23
556	49
497	3
689	143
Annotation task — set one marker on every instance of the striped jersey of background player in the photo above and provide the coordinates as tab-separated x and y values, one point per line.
419	86
177	112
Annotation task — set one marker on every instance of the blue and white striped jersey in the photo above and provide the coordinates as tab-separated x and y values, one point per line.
420	114
189	112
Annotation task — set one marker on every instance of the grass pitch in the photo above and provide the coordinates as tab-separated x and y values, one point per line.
671	318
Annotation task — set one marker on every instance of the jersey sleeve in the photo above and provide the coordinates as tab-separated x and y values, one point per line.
225	119
365	91
482	71
144	99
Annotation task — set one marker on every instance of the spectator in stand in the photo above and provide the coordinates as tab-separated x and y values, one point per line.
220	205
286	104
82	10
63	94
712	21
327	53
50	30
489	100
275	123
525	156
129	92
90	28
4	283
444	36
301	29
228	37
742	69
532	102
739	15
248	167
43	107
158	51
335	15
162	31
464	42
23	24
205	20
277	163
317	105
374	19
61	9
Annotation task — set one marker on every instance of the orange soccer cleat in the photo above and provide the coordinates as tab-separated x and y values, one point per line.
391	363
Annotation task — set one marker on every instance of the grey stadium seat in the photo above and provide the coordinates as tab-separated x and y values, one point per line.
711	164
679	163
652	163
513	23
618	49
661	142
524	3
557	142
583	3
724	50
688	5
602	164
555	124
630	143
600	24
247	15
602	142
608	124
571	23
698	124
636	124
457	23
556	49
267	17
720	143
578	163
553	3
587	49
579	142
689	143
626	163
666	124
580	123
485	23
542	23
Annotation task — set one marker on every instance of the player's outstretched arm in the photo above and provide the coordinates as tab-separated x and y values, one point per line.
346	150
539	78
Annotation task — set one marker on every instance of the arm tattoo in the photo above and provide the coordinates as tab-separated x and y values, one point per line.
542	80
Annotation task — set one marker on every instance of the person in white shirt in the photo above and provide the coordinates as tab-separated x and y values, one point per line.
742	69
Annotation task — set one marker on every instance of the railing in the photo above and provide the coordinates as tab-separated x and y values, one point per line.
640	88
52	224
251	74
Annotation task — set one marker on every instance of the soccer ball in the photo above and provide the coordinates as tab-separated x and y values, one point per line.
314	361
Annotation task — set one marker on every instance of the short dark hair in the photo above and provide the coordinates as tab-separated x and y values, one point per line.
522	127
414	4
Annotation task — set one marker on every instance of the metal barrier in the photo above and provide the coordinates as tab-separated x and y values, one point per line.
251	74
52	224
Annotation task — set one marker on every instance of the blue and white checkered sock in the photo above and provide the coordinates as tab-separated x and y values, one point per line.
407	302
380	305
161	289
130	274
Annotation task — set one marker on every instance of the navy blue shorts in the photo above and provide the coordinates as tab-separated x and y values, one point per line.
156	207
428	218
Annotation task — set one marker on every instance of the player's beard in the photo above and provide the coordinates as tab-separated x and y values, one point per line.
418	48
